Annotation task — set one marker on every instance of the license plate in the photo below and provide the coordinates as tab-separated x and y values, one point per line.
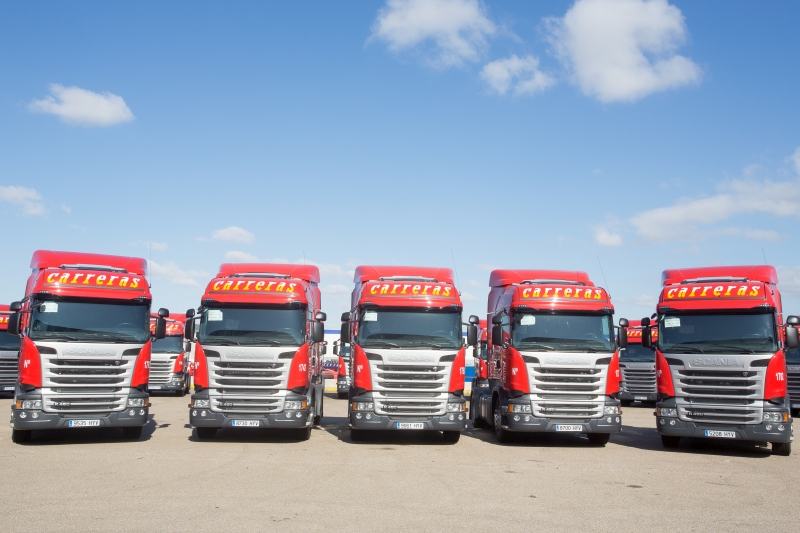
246	423
410	425
569	428
83	423
154	387
640	398
794	405
8	388
721	434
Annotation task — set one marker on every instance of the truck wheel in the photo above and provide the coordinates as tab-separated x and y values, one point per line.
318	418
206	433
626	403
784	449
478	423
21	436
670	442
451	437
341	395
598	439
132	432
181	393
303	433
503	436
358	435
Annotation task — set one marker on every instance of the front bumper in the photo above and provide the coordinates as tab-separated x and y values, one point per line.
130	416
445	422
651	397
528	423
166	387
342	384
206	418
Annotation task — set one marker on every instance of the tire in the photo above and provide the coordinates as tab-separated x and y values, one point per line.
303	434
795	413
318	418
206	433
451	437
358	435
342	395
503	436
478	423
598	439
670	442
626	403
21	436
181	393
784	449
132	432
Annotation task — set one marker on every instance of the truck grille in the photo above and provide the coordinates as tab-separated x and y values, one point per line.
567	392
246	387
718	396
161	369
793	382
639	380
410	390
8	371
86	385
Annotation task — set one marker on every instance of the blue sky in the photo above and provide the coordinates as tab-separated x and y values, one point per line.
647	134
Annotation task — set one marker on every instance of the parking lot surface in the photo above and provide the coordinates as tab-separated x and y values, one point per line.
255	480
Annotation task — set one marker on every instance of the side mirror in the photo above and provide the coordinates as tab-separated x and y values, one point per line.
190	313
15	306
623	322
187	347
474	320
163	313
622	334
161	325
472	334
317	332
320	316
324	350
646	340
792	320
497	319
188	329
14	323
497	335
792	338
335	349
345	317
344	334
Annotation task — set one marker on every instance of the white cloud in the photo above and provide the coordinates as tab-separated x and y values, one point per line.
605	237
687	219
454	30
474	284
640	300
233	234
467	297
28	199
67	209
157	246
796	160
486	268
79	106
175	275
789	277
623	50
236	256
335	289
520	74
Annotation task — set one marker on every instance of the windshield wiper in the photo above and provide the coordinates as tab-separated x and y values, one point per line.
683	349
58	337
260	340
536	346
431	345
579	347
374	344
726	347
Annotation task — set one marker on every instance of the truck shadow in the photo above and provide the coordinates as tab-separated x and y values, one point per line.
257	435
60	437
337	426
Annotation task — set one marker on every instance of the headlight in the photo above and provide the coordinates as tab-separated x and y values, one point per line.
29	404
667	411
776	417
363	406
137	402
611	410
202	404
519	408
294	405
456	407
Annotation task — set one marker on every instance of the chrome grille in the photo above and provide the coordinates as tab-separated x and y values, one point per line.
161	369
83	385
9	369
718	396
793	382
247	387
567	392
410	390
639	380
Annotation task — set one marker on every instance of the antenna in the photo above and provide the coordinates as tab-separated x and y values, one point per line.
149	279
765	256
604	274
455	269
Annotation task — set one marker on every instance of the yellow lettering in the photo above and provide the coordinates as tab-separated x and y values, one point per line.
447	291
247	285
691	294
671	293
100	279
682	292
373	289
753	291
546	291
567	292
75	279
227	286
598	294
111	280
404	289
526	292
537	292
718	290
88	277
394	289
123	282
51	277
216	285
281	286
705	289
742	291
384	289
425	289
415	289
728	292
236	287
269	285
436	290
290	288
64	278
260	285
134	283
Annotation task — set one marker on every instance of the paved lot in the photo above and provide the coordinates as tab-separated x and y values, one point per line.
90	480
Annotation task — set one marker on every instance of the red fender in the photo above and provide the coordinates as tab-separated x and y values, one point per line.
362	377
200	367
775	385
299	371
516	373
614	375
664	375
141	369
30	364
458	372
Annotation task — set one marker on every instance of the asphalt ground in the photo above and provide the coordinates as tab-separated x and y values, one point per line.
256	480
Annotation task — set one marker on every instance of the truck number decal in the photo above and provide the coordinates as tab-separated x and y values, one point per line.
303	367
779	376
359	367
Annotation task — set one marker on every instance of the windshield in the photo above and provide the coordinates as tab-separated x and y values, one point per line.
172	344
793	356
9	342
563	332
257	326
90	321
720	333
410	329
636	353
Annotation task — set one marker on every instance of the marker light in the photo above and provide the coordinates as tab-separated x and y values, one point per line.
29	404
363	406
201	403
667	411
611	410
458	407
517	408
137	402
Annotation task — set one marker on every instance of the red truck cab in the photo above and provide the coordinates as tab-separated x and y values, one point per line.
638	366
85	352
258	351
720	356
169	361
9	354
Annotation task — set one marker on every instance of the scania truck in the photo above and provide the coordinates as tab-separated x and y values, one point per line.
720	363
638	366
258	351
342	349
407	365
169	361
553	363
85	350
9	354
